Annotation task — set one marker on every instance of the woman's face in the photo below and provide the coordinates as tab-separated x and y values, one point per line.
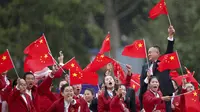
123	90
109	82
154	84
189	87
88	96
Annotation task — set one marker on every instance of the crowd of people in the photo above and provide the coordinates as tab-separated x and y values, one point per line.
158	92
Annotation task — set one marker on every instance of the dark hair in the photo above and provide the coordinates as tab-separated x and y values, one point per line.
157	47
63	87
14	83
91	90
27	73
152	77
179	88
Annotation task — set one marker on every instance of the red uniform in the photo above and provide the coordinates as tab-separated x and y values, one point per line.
104	103
152	102
59	106
176	103
16	103
83	104
117	105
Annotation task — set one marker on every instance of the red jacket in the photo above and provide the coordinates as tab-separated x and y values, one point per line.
117	105
103	103
58	106
17	104
45	101
150	101
42	89
176	103
83	104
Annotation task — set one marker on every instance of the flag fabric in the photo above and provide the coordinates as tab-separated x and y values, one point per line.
105	45
100	61
158	9
135	82
75	72
136	50
174	73
90	78
192	102
5	62
169	62
38	63
37	47
119	72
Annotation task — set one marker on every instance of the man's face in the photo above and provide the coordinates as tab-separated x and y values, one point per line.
153	54
68	92
30	79
77	89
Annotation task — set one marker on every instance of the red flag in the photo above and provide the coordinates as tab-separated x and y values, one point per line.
119	72
159	9
37	47
90	78
75	71
105	45
192	102
135	85
174	73
169	62
135	50
100	61
38	63
5	62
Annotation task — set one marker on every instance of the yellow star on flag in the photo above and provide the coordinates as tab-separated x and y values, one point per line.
74	74
107	39
195	93
72	65
41	41
4	58
45	56
171	57
140	45
102	56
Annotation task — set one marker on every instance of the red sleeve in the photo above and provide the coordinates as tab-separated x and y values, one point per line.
52	108
128	80
58	74
14	95
149	99
100	107
115	103
2	82
43	88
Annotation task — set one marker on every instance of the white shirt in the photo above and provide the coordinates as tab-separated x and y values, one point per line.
29	92
110	93
66	105
24	98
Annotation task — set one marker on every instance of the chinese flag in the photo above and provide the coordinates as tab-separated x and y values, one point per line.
192	102
75	71
90	78
5	62
135	85
159	9
100	61
136	78
174	73
135	50
105	45
37	47
38	63
169	62
119	72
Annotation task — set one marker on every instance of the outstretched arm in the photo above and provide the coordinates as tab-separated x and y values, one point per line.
170	45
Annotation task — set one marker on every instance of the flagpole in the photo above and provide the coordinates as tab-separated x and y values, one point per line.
179	63
169	19
69	77
13	64
46	42
57	63
146	53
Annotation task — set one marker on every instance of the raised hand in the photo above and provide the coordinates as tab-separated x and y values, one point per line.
61	57
171	31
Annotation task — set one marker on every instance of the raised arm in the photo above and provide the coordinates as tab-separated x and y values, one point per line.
170	45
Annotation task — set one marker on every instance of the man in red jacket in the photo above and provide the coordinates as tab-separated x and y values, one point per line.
19	101
34	91
77	90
